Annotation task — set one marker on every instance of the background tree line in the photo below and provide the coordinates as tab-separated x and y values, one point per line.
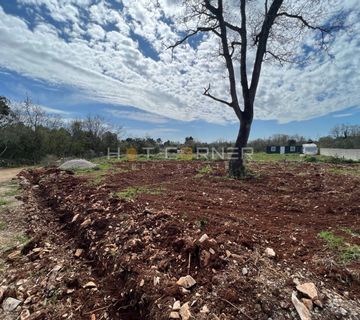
29	135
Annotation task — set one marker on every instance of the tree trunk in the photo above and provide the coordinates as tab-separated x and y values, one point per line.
237	164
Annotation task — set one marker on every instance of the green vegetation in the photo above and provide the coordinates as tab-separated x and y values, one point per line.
22	239
344	251
14	190
326	159
332	241
204	171
262	156
349	171
351	253
95	175
350	232
2	225
3	202
14	241
132	192
28	135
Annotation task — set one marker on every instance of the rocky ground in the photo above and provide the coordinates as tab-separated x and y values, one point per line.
179	240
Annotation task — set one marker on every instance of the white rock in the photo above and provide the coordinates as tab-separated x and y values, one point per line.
86	223
174	315
270	253
77	164
185	291
308	289
176	306
156	281
204	309
89	285
78	252
203	238
186	282
244	271
301	309
185	311
10	304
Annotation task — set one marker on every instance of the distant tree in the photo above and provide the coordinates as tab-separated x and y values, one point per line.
5	111
291	142
344	131
4	107
110	140
189	141
254	32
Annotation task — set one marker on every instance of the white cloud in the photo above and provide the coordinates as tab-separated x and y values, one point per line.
54	111
138	116
342	115
165	133
105	64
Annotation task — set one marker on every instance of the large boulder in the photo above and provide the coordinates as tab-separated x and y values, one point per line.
77	164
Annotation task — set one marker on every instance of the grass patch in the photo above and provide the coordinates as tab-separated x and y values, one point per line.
19	239
204	171
332	241
352	171
3	202
262	156
95	175
344	251
350	232
351	253
22	239
12	193
2	225
132	192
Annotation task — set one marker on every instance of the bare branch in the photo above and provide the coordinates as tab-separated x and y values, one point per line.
232	46
208	94
211	8
266	7
193	33
304	21
281	58
232	27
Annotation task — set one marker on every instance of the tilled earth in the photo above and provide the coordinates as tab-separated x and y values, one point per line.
96	255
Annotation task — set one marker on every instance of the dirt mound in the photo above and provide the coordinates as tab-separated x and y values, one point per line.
77	164
126	259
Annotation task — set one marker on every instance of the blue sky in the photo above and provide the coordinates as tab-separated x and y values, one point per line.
109	57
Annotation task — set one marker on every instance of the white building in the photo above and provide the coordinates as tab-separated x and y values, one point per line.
310	149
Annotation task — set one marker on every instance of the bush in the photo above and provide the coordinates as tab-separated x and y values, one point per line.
311	159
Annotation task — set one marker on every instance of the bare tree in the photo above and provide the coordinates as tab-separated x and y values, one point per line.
250	32
35	116
345	130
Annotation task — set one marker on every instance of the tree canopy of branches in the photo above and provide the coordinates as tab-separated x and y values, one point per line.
250	32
